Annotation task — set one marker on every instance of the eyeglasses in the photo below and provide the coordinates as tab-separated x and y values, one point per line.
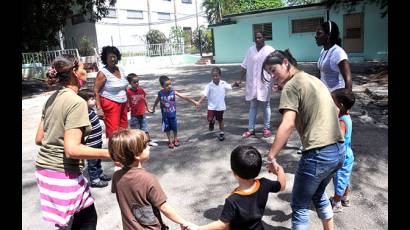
134	82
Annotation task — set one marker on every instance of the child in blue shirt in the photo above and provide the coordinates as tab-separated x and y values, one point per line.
167	99
344	100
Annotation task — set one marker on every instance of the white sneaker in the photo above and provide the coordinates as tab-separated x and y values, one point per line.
152	143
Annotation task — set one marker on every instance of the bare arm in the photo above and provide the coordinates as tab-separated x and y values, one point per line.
146	105
284	131
171	214
342	128
40	133
74	149
216	225
281	178
201	99
186	98
98	84
155	104
344	68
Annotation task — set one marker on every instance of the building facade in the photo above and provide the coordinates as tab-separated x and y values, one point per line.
364	32
130	20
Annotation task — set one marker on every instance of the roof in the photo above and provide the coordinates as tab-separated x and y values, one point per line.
227	18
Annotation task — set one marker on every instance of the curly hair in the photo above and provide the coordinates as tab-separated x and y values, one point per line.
109	49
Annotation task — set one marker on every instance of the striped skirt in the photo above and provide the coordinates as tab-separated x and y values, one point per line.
62	194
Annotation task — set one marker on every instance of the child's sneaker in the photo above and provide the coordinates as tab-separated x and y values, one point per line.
99	184
345	203
211	126
266	133
248	134
336	207
176	142
171	145
151	143
105	177
221	137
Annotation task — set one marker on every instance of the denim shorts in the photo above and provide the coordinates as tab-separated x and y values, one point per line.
139	122
315	170
169	123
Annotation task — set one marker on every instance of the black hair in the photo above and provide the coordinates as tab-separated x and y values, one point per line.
345	96
131	76
86	94
217	69
246	161
162	80
61	68
109	49
277	57
332	30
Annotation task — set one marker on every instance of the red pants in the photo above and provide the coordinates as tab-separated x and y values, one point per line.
115	115
219	115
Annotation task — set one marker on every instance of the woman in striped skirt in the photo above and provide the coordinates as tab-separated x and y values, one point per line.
64	192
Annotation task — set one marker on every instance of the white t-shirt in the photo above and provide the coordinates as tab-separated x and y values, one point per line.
253	62
329	69
216	95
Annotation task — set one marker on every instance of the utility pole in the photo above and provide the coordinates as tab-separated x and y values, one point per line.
149	16
175	12
197	27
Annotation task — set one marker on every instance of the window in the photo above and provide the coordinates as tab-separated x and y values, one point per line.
135	14
353	33
187	1
76	19
164	16
265	29
306	24
112	13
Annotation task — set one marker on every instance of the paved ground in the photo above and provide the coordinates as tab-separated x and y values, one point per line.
196	176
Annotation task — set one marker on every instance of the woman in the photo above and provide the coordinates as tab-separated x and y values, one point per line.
64	192
306	104
333	64
110	92
257	91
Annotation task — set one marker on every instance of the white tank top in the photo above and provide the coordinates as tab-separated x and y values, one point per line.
114	87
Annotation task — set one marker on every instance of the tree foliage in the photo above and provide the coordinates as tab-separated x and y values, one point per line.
42	19
216	9
155	37
178	35
206	39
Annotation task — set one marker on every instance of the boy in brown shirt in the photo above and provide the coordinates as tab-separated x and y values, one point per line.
138	192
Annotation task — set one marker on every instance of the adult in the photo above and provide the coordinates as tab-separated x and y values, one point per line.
110	92
64	192
307	104
333	63
257	89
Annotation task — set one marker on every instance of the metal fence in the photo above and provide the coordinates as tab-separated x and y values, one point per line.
46	57
164	49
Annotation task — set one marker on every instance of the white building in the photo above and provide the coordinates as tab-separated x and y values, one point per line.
129	20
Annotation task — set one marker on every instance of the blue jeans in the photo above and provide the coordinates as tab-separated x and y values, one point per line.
94	167
315	170
252	114
139	122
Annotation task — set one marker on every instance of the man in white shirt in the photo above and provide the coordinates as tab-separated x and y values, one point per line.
258	84
215	92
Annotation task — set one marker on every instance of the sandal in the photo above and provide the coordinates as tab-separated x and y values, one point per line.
170	145
248	134
176	142
267	133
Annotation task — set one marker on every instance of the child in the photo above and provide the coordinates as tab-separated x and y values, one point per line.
244	208
215	92
138	192
138	103
344	100
97	177
168	109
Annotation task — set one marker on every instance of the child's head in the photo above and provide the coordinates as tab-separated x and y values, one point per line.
88	96
216	75
128	146
344	99
133	79
165	82
246	162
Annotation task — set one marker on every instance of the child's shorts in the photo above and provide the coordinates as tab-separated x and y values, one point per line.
169	123
139	122
219	115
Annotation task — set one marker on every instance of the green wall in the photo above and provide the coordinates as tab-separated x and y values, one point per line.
232	41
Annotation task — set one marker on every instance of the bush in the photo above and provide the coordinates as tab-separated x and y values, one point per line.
155	37
86	47
206	39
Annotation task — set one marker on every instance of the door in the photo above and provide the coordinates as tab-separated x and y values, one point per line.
353	33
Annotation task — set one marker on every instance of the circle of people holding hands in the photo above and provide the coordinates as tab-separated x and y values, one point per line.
70	132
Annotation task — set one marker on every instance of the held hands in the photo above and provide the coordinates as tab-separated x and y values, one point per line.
152	110
273	166
100	114
237	84
188	226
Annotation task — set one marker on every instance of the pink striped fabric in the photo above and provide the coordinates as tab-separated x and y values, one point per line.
62	194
